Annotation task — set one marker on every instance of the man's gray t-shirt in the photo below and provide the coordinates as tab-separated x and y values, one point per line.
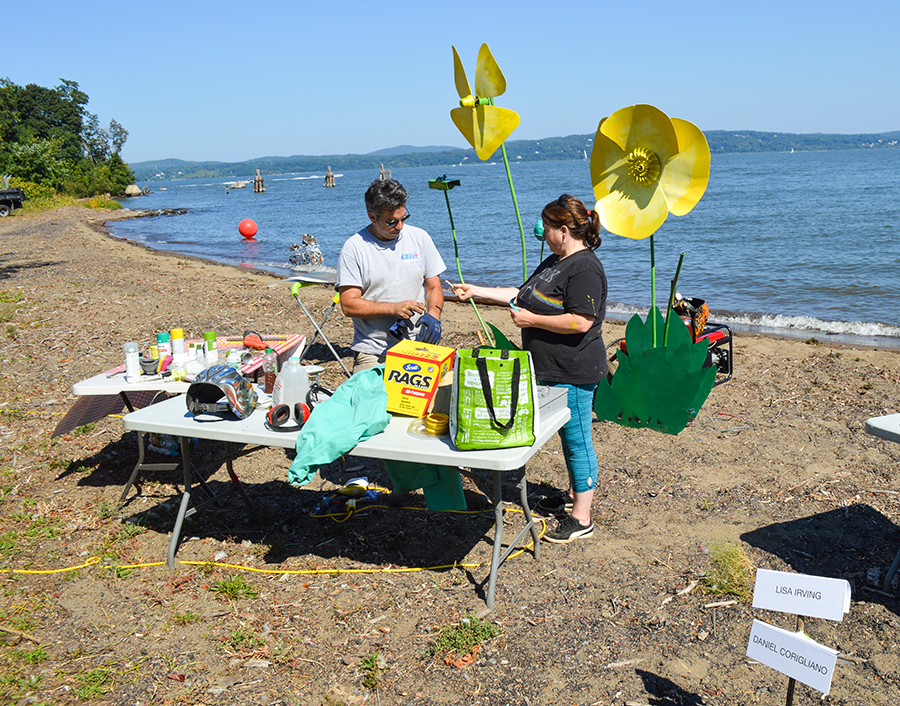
386	271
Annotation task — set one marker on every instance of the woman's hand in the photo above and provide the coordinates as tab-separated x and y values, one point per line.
464	291
522	317
496	295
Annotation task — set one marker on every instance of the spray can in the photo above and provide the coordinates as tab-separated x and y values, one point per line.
164	342
132	362
211	348
179	356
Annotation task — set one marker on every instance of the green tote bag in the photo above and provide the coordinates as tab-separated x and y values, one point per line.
494	400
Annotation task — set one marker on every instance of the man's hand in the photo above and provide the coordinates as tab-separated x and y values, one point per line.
407	309
430	329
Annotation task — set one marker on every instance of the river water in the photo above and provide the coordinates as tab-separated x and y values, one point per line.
797	243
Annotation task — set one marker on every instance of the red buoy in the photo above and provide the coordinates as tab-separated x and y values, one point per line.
247	228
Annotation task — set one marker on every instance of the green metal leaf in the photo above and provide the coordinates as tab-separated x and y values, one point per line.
501	341
660	387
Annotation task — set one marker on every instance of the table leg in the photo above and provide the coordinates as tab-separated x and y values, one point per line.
229	458
889	576
498	556
137	467
498	539
140	466
530	524
185	501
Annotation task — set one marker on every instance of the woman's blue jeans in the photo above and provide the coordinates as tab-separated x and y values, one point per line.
578	446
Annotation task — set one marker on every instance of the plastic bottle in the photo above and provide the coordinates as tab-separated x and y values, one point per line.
233	358
270	370
291	385
132	363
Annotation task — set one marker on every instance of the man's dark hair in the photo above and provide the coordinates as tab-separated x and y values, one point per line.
385	195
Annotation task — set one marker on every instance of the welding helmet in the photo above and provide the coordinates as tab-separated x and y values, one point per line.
221	388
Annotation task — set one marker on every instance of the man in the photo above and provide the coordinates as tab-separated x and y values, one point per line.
388	277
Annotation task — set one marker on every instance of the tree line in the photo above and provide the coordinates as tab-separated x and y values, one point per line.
50	141
572	147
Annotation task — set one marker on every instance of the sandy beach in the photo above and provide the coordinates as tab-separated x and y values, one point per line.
777	463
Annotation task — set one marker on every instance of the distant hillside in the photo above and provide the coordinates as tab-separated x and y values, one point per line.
573	147
408	149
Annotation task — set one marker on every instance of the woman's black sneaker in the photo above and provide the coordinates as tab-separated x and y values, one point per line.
556	505
568	529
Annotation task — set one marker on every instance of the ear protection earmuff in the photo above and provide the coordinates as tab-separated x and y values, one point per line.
278	417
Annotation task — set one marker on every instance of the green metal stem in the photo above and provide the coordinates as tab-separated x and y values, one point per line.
672	299
512	190
484	327
652	291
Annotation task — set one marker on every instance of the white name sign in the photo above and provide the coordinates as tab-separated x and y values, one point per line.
792	654
801	594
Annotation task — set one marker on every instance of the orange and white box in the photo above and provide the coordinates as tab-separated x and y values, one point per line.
412	371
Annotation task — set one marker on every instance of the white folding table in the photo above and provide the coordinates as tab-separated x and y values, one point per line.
394	443
107	392
887	427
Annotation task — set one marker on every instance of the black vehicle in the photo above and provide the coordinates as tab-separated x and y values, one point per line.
10	200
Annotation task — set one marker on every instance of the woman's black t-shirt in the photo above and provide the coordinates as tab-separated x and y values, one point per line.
574	285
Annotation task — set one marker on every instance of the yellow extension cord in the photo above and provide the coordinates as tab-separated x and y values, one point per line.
351	510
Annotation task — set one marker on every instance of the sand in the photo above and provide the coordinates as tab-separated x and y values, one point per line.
777	463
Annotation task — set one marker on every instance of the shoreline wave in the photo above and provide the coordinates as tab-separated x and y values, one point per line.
862	333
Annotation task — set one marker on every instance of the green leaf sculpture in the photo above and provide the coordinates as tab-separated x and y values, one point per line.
660	388
502	342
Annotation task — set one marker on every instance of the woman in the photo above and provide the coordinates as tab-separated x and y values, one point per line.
560	310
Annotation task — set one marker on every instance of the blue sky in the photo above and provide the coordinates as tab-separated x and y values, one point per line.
231	81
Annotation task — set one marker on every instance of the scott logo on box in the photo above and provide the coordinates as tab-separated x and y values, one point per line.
412	371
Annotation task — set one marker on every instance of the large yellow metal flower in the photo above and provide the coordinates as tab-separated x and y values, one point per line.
643	166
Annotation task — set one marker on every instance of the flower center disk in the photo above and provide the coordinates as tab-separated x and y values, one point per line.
643	166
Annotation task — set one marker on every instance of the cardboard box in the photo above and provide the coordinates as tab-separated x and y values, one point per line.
412	371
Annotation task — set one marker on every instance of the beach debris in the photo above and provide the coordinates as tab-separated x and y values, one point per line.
307	253
10	636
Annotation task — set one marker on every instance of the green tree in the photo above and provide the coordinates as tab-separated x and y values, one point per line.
118	135
48	137
40	161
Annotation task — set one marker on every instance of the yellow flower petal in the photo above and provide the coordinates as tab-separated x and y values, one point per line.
459	76
687	174
485	127
489	79
642	126
633	214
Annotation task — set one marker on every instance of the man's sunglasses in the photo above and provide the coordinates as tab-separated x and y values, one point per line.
391	224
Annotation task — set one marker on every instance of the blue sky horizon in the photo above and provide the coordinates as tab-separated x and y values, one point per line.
231	82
